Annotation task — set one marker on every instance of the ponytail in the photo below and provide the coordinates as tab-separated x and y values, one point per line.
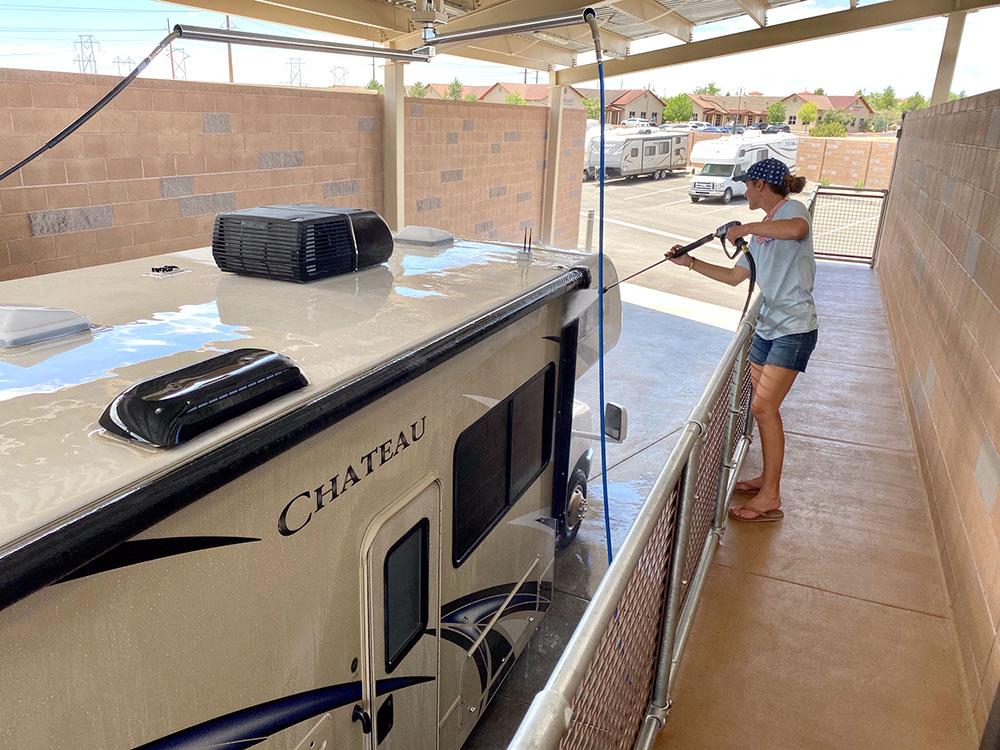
793	184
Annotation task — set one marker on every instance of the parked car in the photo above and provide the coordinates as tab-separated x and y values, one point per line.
771	129
714	129
635	122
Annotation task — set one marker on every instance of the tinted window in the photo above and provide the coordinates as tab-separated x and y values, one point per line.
405	583
635	152
497	459
650	150
664	148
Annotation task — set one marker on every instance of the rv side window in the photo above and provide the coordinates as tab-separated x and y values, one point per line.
405	586
498	457
650	150
665	148
634	152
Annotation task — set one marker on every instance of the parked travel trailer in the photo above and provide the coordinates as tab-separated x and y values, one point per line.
730	156
239	511
653	153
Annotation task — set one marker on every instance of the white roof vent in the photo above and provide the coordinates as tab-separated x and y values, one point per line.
21	324
428	236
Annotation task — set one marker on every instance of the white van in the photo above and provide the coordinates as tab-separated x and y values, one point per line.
730	156
238	511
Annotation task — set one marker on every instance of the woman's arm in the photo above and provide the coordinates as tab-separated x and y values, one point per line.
779	229
732	276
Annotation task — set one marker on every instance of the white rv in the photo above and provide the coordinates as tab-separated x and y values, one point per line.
653	153
730	156
239	512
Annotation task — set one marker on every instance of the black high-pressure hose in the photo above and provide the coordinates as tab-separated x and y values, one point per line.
720	233
101	104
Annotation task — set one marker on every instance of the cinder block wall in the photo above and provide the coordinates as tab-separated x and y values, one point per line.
148	174
939	267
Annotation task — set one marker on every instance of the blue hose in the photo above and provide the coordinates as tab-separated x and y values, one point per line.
600	321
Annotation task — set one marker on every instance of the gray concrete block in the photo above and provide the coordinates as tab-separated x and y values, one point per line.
541	164
341	187
988	473
280	159
525	196
210	203
498	192
468	125
494	148
366	124
452	175
215	122
428	204
511	136
485	226
175	187
60	220
452	138
972	253
417	110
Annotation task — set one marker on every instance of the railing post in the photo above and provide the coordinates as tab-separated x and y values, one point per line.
660	702
590	230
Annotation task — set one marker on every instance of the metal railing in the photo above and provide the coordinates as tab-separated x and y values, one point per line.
846	223
612	686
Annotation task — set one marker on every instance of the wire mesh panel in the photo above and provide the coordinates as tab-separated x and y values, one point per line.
612	699
845	223
707	487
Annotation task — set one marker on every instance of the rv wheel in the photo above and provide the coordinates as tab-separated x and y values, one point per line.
576	509
727	196
694	198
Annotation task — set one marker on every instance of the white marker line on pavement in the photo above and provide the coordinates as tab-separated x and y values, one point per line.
655	192
650	230
684	307
674	203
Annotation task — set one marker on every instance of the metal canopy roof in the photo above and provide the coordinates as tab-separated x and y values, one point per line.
388	22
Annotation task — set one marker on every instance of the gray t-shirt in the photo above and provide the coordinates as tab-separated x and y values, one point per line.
786	274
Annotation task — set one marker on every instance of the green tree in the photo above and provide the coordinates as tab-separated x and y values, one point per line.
831	125
819	92
776	113
593	107
953	96
417	90
374	85
454	91
884	99
913	103
515	98
708	88
679	109
808	113
470	98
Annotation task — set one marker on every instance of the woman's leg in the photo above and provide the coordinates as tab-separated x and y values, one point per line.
770	388
752	485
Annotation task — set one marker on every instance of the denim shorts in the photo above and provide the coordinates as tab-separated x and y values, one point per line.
791	352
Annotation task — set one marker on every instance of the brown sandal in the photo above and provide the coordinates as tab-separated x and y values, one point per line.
763	516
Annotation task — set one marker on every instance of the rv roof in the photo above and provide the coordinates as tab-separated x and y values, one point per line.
55	458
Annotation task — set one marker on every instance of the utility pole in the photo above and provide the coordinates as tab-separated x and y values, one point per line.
295	71
85	60
229	51
170	51
128	64
525	75
178	64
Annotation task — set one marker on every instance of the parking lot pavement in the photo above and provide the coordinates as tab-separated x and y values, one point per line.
644	218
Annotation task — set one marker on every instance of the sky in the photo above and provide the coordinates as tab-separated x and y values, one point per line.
45	35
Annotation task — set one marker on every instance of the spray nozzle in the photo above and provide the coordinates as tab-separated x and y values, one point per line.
721	231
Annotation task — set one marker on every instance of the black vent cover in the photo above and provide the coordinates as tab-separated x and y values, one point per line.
299	243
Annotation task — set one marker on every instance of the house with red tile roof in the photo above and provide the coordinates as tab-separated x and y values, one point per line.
440	91
722	110
855	107
535	94
623	104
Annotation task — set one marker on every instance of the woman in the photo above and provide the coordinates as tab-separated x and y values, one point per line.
786	329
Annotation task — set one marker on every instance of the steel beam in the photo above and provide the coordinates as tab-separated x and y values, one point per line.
518	51
654	14
615	45
756	9
873	16
504	12
949	54
393	140
276	14
381	15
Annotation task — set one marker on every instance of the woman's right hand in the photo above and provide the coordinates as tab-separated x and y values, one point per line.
681	261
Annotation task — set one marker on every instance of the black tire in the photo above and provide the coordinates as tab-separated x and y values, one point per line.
694	198
727	196
571	519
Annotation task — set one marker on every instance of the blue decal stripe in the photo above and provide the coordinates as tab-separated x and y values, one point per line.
249	726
